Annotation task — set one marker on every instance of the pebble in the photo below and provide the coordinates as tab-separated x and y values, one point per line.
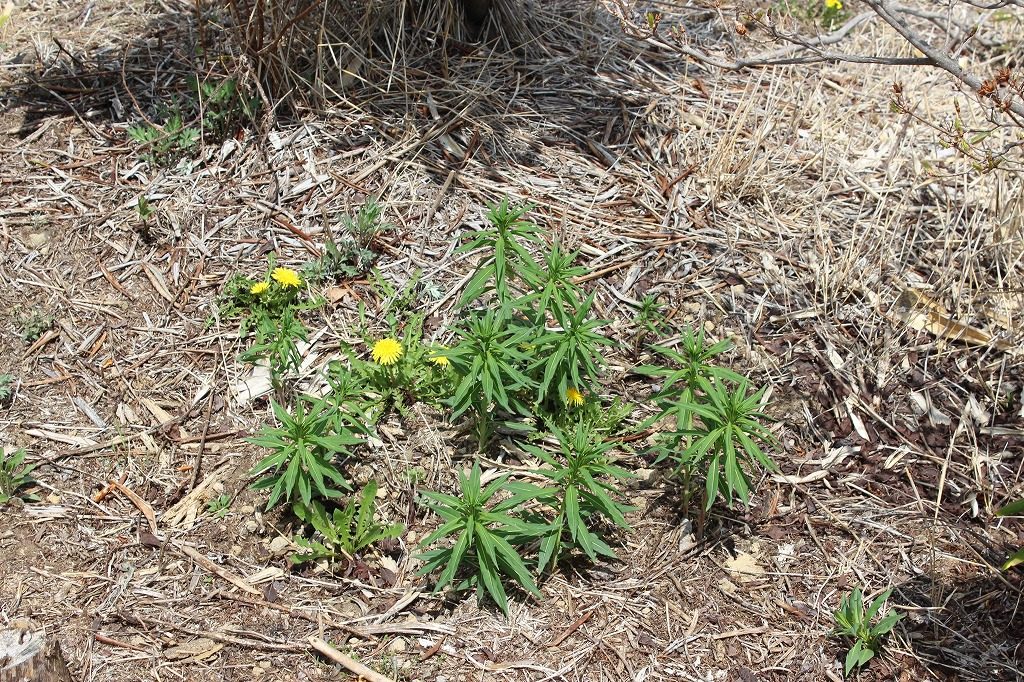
646	478
36	240
398	645
280	546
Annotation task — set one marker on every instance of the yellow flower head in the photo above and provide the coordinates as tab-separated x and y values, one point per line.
259	288
440	360
286	277
573	397
386	352
834	4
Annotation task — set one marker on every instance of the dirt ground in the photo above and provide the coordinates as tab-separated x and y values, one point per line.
787	209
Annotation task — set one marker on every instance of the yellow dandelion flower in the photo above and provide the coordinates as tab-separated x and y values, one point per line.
573	397
440	360
259	288
386	352
286	277
834	4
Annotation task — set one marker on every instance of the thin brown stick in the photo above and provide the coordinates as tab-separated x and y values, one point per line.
350	664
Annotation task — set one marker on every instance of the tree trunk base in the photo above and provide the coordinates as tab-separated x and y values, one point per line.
29	656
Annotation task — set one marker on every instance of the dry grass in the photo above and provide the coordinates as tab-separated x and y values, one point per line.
786	208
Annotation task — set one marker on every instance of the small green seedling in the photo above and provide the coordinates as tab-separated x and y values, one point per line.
33	326
346	532
650	317
1013	509
853	621
351	255
144	208
219	505
7	382
167	145
14	475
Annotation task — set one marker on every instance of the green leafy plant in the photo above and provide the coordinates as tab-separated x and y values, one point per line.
1013	509
684	387
569	357
165	146
553	285
277	341
34	325
350	407
340	260
352	255
485	361
482	533
7	382
367	225
223	107
581	493
692	364
650	317
853	621
304	446
219	505
725	443
15	475
505	255
345	532
144	208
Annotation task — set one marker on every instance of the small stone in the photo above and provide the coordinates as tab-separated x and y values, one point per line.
36	240
246	509
236	550
745	567
251	526
646	478
280	546
709	326
398	645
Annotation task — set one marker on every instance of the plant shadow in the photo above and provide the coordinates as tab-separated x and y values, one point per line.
966	630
